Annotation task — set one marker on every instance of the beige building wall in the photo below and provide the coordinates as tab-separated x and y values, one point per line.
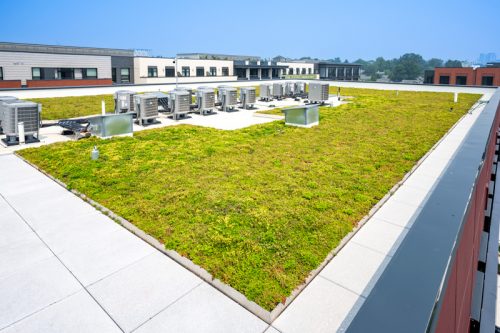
141	65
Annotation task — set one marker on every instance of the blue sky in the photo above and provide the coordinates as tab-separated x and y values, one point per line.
350	29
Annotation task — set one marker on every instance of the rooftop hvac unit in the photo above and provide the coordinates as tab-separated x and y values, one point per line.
124	101
205	100
300	88
228	98
277	90
289	89
162	100
180	101
318	92
219	92
146	107
2	99
247	97
15	112
265	92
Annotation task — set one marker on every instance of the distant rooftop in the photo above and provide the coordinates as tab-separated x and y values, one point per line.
60	49
215	56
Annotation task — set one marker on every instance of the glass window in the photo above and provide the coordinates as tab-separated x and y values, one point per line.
213	71
90	73
461	80
309	71
225	71
169	71
36	73
113	74
290	71
297	71
125	75
303	70
152	71
487	80
65	74
186	71
444	79
1	73
200	71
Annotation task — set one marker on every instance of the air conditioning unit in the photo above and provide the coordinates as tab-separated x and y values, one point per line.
162	100
205	100
2	99
288	89
124	101
300	88
219	92
247	97
146	107
265	92
17	111
180	102
228	98
277	90
318	92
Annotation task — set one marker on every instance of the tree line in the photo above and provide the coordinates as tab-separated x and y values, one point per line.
409	66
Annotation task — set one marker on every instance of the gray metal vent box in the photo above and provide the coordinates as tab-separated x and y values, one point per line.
228	98
2	99
14	112
265	92
302	116
205	100
109	125
277	90
318	92
146	107
247	97
124	101
180	101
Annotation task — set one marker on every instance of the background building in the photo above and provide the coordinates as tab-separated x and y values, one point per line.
469	76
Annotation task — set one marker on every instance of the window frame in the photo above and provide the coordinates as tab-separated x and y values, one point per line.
113	74
186	70
212	71
200	69
85	75
1	73
488	77
152	71
441	79
225	71
127	76
170	70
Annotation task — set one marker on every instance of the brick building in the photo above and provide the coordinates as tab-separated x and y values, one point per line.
467	76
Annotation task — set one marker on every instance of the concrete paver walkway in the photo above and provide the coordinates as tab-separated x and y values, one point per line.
65	267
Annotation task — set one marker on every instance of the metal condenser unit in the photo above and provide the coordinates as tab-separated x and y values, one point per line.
289	89
247	97
146	107
124	101
205	100
277	90
265	92
318	92
2	99
180	101
228	98
162	100
300	88
15	112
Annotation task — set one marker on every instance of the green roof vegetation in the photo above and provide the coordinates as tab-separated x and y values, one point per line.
261	207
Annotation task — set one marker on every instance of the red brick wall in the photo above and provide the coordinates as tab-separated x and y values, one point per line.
455	311
68	83
10	83
488	71
453	73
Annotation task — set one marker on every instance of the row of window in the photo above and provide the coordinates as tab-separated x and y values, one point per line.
124	74
462	80
46	73
186	71
299	71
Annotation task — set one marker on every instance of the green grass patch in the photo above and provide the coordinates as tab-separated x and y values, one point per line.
55	108
260	207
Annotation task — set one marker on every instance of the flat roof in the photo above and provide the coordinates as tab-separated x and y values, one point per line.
216	56
62	49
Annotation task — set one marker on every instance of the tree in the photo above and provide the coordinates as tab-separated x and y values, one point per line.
453	63
408	67
434	62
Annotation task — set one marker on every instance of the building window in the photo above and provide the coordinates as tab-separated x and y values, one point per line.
152	71
461	80
487	80
303	70
90	73
290	71
113	74
36	73
65	73
309	71
186	71
297	71
444	79
225	71
125	75
1	73
170	71
213	71
200	71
